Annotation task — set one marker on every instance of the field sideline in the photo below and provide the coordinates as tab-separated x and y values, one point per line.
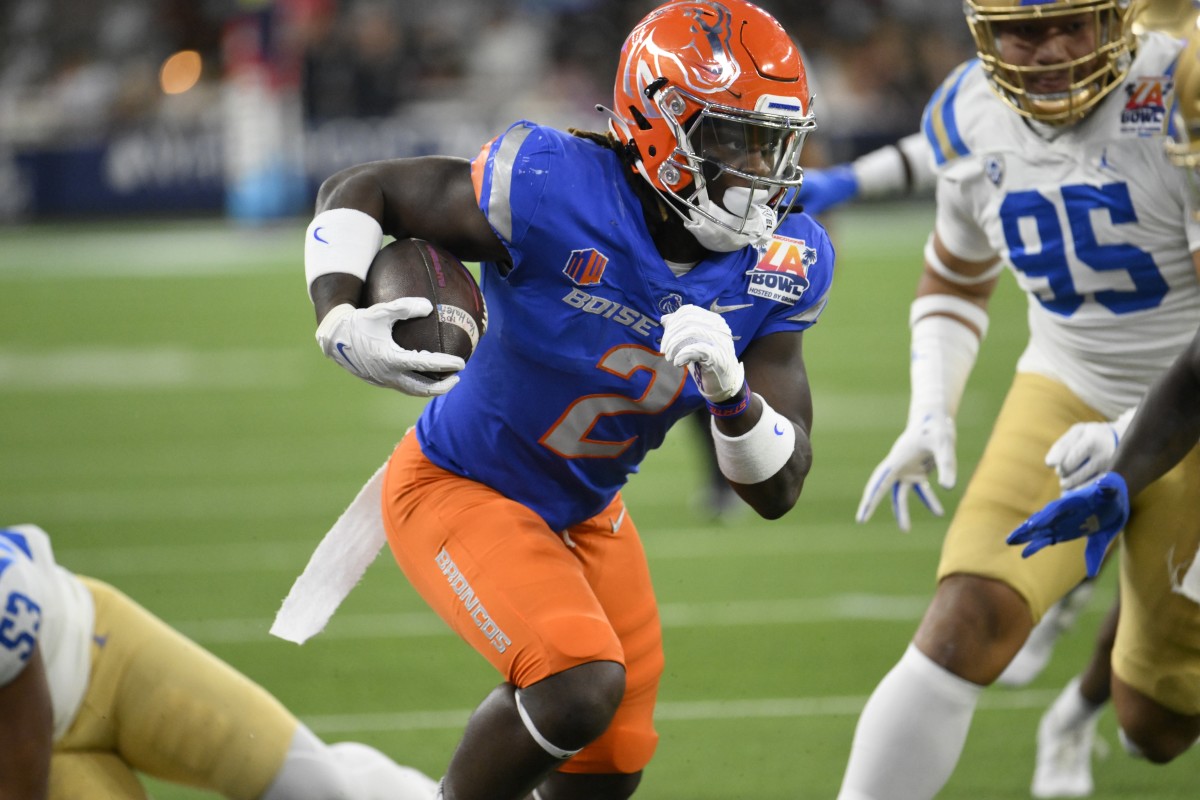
166	416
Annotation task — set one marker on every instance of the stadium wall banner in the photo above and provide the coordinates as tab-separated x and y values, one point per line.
185	172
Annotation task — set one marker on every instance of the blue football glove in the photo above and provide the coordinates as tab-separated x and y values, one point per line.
824	189
1098	510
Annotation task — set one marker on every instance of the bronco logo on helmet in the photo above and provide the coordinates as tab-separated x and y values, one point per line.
708	90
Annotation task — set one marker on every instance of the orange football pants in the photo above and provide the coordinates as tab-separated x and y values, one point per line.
532	601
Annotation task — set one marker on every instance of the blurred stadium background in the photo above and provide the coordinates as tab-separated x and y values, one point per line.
165	415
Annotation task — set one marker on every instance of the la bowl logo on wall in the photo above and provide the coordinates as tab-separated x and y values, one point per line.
782	272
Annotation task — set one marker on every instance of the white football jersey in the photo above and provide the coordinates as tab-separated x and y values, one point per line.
1094	223
43	604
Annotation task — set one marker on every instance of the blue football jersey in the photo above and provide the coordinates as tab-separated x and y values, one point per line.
567	391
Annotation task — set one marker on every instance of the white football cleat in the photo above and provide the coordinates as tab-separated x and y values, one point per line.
1033	657
1064	749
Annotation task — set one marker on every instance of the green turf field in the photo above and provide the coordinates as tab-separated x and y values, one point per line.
167	416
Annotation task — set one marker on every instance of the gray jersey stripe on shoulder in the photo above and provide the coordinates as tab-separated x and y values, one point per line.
499	209
811	314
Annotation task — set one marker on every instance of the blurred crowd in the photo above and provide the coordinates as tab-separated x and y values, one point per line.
71	70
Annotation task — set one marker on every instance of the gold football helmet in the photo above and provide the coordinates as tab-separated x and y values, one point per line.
1183	127
1175	17
1093	75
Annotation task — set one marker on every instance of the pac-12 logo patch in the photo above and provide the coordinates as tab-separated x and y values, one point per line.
993	167
585	267
1146	105
782	272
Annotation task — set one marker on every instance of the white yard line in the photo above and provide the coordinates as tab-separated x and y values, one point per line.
678	711
134	368
735	613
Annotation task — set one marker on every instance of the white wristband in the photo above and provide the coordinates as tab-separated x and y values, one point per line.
759	452
943	354
340	240
931	304
936	264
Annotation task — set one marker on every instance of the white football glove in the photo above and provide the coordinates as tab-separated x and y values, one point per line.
360	340
1086	450
701	340
924	444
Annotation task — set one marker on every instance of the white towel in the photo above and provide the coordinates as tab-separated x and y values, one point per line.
336	566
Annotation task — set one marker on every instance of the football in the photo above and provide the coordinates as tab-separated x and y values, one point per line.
417	268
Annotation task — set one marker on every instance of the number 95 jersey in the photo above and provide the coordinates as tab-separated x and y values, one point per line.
568	391
1094	222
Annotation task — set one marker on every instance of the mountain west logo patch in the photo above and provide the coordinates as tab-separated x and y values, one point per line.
585	267
1146	105
782	272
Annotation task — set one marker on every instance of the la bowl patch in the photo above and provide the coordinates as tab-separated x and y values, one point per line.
782	272
1146	105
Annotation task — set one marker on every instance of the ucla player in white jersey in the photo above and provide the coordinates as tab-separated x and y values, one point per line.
95	690
503	508
1049	161
906	167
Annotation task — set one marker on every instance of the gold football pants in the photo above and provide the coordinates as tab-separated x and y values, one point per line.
159	704
1158	641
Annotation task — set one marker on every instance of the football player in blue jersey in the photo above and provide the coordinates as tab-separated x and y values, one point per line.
632	278
95	690
1049	159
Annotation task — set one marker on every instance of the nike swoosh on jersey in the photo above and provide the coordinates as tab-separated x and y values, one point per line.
717	308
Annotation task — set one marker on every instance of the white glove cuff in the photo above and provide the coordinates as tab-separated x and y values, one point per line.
943	355
326	331
1121	423
759	452
340	240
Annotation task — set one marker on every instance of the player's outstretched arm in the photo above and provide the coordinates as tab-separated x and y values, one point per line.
893	171
948	319
26	733
429	198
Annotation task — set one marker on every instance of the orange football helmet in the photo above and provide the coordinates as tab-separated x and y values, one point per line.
711	88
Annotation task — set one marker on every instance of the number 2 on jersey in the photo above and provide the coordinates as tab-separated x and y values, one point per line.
570	435
1050	261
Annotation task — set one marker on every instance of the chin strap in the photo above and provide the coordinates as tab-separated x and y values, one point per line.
718	229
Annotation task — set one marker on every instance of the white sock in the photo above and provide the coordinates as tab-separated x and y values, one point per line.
1070	709
911	732
314	770
381	778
